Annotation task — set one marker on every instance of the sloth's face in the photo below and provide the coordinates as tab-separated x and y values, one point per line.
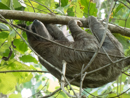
36	27
39	28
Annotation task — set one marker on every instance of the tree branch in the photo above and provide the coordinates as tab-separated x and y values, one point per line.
49	18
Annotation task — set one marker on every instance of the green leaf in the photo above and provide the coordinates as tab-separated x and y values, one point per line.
125	23
70	11
28	58
4	27
7	82
60	10
6	53
113	95
15	95
64	3
123	40
118	88
19	4
8	3
20	46
123	96
117	9
11	36
124	77
3	35
79	11
3	6
23	47
27	84
62	95
4	45
23	76
88	8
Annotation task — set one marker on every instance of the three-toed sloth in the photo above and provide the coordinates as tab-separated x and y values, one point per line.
55	54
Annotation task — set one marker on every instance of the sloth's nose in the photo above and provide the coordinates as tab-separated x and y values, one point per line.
35	20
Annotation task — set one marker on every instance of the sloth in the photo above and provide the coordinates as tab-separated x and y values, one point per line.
55	54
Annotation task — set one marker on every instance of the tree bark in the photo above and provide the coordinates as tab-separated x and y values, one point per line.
56	19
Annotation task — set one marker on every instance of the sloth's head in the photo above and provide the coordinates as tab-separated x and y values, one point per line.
39	28
36	27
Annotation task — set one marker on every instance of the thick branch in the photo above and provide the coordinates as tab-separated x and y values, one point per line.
50	18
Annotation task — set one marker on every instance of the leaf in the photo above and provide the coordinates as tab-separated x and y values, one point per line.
8	3
11	36
4	27
118	88
27	84
60	10
62	95
125	23
70	11
4	45
20	46
87	5
23	76
3	35
117	9
3	6
15	95
123	40
6	53
122	96
23	47
7	82
113	95
64	3
28	58
19	4
124	77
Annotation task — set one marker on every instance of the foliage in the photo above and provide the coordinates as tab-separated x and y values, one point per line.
22	58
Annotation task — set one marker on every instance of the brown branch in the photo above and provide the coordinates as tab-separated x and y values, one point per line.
47	18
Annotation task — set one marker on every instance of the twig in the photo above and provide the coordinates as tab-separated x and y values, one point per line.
63	79
39	90
81	81
124	4
125	73
31	5
42	5
68	83
117	61
120	94
128	1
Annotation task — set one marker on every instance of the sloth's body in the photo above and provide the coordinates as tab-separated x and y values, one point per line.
75	59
